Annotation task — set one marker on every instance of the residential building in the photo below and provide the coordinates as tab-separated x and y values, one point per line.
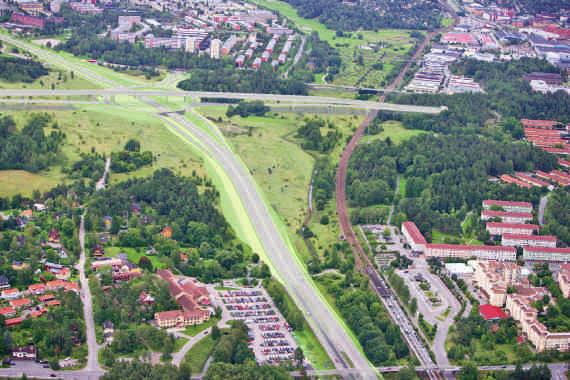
8	312
215	48
507	216
508	205
228	45
414	237
520	307
180	318
4	282
11	294
546	254
564	279
486	252
25	353
520	240
32	8
20	303
192	298
498	228
494	278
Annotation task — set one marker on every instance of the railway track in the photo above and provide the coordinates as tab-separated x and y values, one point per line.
362	261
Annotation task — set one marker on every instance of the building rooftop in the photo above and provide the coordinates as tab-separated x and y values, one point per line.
490	312
414	232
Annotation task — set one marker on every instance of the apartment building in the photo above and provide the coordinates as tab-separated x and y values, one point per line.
494	278
484	252
561	255
522	240
414	237
507	216
498	228
508	205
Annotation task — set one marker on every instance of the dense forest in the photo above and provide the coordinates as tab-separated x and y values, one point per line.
445	174
371	15
558	214
506	94
29	148
14	69
228	79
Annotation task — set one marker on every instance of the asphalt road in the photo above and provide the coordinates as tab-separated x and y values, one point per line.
57	60
93	346
301	99
327	328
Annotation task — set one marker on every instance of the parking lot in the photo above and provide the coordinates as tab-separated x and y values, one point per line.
269	333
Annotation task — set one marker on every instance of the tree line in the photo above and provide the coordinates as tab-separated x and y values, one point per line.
29	147
372	15
13	69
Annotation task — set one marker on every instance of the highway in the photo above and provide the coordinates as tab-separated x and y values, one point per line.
320	316
300	99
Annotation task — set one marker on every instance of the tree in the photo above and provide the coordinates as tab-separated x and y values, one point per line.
145	263
299	357
133	145
468	372
216	333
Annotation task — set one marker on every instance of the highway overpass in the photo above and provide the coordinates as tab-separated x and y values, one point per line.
296	99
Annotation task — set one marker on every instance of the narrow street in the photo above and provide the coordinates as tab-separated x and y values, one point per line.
102	182
542	209
93	347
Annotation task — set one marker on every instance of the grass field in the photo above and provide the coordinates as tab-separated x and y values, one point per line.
59	79
199	354
134	255
105	129
439	237
280	167
395	131
197	329
387	44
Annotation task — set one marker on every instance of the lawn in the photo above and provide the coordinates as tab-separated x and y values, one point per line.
439	237
59	79
384	45
199	354
197	329
104	128
393	130
134	255
179	343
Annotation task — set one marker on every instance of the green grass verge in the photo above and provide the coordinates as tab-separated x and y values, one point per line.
197	329
199	354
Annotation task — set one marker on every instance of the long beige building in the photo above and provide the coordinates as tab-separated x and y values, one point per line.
520	307
564	280
494	278
482	252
